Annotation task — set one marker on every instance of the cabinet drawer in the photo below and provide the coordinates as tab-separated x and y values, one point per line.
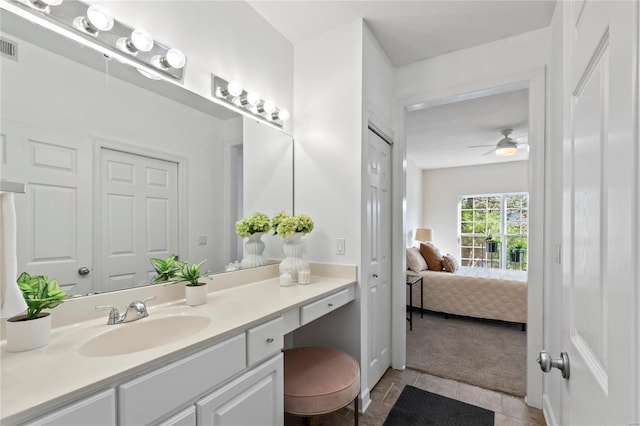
255	398
147	398
323	306
99	409
185	417
264	340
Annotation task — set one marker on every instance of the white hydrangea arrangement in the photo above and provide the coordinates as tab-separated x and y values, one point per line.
257	222
285	225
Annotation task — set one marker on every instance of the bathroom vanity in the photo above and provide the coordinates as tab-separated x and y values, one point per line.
219	363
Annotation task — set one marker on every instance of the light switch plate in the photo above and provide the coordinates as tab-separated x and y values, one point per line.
340	246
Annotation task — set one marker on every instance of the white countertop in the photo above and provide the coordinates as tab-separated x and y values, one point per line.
57	372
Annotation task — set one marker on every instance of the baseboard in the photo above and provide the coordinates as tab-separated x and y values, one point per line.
547	409
365	400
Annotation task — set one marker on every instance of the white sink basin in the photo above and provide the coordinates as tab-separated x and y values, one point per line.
143	334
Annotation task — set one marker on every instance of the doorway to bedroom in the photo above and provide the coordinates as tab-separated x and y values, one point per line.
467	223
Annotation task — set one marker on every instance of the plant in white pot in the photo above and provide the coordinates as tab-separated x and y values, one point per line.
33	329
292	228
253	228
195	291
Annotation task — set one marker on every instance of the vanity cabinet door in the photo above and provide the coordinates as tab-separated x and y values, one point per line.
255	398
99	409
151	396
186	417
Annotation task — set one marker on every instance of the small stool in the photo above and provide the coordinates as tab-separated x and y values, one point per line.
319	381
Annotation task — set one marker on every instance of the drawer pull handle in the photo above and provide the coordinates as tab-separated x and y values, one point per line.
270	340
330	305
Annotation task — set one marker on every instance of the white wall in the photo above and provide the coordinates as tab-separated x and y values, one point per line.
468	67
442	189
227	38
378	83
268	186
414	214
342	79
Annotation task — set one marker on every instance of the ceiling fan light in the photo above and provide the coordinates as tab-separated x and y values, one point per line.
506	151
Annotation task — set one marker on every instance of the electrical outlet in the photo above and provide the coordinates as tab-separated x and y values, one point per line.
202	240
340	246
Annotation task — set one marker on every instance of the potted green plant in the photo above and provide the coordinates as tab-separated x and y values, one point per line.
292	228
195	290
491	243
166	269
253	228
517	250
32	329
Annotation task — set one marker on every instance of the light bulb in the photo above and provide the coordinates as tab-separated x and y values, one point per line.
141	40
174	59
253	98
269	107
234	88
282	114
506	151
99	18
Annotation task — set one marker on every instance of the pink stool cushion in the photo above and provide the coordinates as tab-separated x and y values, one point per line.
319	380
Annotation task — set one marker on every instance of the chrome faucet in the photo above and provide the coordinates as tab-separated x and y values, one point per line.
135	311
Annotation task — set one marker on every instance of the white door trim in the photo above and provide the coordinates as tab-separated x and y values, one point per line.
99	143
535	80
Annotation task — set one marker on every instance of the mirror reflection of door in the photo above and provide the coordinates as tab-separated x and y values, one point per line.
54	231
139	216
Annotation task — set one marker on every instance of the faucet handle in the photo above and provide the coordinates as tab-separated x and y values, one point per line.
114	315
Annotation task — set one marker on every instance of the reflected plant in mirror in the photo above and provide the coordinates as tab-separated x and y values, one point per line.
166	269
137	169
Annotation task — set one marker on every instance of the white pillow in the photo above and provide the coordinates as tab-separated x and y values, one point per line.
415	261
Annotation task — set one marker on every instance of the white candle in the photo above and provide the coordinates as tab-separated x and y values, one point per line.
285	279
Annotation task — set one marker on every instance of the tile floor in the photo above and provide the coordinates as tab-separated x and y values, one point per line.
510	410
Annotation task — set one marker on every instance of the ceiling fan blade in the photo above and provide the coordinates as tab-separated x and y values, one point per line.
489	152
479	146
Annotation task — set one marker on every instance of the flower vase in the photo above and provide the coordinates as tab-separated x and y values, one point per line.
253	249
293	248
24	335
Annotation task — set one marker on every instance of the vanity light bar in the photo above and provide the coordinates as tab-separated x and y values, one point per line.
96	24
232	93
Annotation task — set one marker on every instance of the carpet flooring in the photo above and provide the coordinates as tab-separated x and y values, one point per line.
420	408
484	353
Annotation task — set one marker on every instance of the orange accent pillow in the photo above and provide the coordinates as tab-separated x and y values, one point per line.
450	263
432	255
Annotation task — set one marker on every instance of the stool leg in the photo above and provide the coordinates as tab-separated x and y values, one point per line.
355	411
311	420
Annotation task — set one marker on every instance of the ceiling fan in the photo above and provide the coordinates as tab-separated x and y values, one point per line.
506	146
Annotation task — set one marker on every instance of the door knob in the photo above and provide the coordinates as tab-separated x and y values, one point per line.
547	363
84	271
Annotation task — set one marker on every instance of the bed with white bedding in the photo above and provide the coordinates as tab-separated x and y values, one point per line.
497	294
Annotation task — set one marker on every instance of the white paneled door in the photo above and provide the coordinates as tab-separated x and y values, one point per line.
53	228
139	216
378	252
600	325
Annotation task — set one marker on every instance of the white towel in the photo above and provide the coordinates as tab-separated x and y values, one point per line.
12	301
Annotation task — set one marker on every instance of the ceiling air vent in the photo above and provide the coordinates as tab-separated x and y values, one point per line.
8	48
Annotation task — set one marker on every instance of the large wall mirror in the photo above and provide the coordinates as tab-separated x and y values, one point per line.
119	168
